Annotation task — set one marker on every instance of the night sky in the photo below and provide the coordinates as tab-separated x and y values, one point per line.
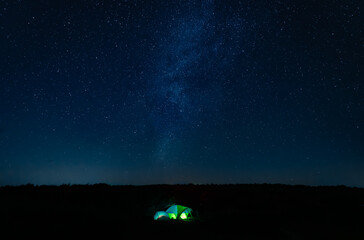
161	91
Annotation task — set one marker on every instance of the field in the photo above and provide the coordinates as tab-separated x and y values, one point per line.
251	211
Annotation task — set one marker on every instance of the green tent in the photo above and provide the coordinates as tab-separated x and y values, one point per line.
175	212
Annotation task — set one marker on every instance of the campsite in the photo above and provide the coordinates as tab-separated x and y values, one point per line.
252	211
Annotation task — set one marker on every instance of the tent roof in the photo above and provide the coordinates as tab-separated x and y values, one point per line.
161	215
177	210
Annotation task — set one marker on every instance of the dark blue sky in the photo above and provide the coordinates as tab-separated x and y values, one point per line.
144	92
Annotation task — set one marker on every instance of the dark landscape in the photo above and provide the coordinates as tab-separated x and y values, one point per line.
251	211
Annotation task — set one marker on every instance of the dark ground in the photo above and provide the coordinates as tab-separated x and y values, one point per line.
256	211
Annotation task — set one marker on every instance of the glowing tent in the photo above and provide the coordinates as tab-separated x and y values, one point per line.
175	212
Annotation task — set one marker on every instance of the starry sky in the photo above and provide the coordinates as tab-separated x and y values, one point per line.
160	91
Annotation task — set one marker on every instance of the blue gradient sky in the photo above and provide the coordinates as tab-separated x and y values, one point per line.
144	92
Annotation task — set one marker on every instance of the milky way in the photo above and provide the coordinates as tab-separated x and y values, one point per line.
174	90
184	84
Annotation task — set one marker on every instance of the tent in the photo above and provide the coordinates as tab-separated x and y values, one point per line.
175	212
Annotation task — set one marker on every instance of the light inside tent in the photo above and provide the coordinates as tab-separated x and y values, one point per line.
172	215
